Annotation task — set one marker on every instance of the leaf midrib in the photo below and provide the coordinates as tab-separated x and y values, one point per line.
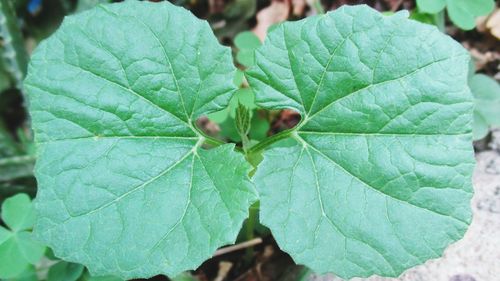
369	86
136	188
308	145
334	225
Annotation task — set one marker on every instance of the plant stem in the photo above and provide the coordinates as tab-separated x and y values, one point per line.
440	21
213	141
250	225
270	140
207	139
237	247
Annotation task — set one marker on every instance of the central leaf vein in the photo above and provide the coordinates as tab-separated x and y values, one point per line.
308	145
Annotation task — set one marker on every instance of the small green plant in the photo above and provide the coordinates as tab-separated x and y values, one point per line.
18	250
486	93
376	177
246	42
463	13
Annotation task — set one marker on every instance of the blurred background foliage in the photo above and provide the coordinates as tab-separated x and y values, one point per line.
242	25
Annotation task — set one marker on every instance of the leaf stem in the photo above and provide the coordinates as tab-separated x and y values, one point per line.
439	19
237	247
213	141
207	139
270	140
250	228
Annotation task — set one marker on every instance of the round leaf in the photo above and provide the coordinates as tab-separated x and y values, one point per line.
246	57
247	40
486	92
431	6
480	128
377	176
463	13
17	251
17	212
124	185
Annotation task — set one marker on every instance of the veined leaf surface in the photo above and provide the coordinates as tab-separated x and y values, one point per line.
376	177
124	185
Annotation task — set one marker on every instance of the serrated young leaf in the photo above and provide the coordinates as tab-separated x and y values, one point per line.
124	187
463	13
243	119
243	96
377	176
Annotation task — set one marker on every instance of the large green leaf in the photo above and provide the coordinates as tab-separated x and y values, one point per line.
463	13
124	185
376	177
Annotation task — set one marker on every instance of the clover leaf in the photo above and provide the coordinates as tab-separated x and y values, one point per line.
18	249
376	177
463	13
125	187
246	42
486	93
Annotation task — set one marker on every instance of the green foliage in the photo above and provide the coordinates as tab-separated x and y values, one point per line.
15	161
486	93
87	277
65	271
18	250
8	146
243	96
13	53
29	274
246	42
243	121
463	13
376	177
15	167
124	186
226	118
88	4
434	19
